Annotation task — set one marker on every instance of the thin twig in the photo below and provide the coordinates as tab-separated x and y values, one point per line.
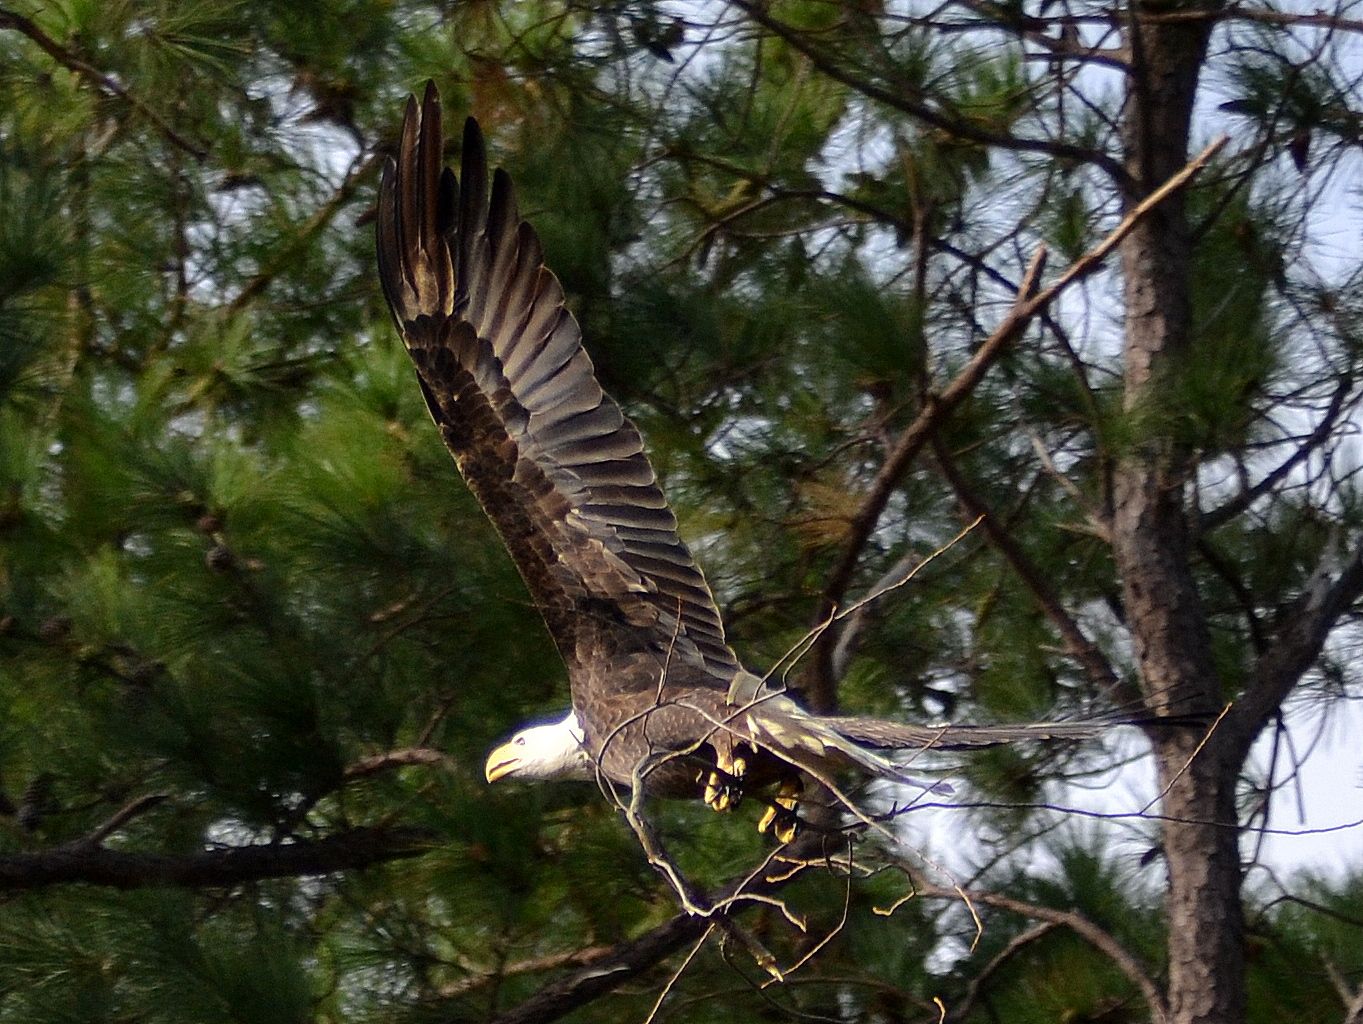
122	816
676	975
1014	945
1098	938
1191	758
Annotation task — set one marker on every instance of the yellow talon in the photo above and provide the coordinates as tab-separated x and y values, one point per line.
781	813
717	793
768	963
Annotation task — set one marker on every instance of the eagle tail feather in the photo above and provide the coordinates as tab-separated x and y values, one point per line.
880	734
810	741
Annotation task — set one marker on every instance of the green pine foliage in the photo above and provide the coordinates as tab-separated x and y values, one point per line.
237	564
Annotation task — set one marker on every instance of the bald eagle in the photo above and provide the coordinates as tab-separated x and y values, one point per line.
658	697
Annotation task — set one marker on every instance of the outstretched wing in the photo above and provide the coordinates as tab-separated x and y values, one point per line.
555	465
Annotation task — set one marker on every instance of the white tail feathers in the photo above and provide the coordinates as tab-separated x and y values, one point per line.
884	735
818	744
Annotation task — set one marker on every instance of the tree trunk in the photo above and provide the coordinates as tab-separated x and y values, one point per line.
1151	544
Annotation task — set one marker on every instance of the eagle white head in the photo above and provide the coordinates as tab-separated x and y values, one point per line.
542	753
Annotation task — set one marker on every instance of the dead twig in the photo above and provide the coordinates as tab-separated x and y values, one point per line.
1098	938
401	758
122	816
1014	946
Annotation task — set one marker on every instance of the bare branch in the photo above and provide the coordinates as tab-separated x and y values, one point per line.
1259	15
628	960
938	407
1103	941
1014	946
1351	998
606	973
123	815
1297	643
535	965
401	758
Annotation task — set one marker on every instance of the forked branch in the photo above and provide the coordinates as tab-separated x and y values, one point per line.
1029	304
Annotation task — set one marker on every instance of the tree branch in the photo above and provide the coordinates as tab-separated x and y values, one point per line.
1223	514
1124	960
954	126
938	407
535	965
122	816
1259	15
209	869
960	1011
628	960
400	758
606	973
284	256
97	78
1079	646
1296	644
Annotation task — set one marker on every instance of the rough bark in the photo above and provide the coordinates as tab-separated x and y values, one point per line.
1151	546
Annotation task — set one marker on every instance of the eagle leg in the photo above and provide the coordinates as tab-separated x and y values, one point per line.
781	812
723	788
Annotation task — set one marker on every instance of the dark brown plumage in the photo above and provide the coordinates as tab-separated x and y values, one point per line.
563	476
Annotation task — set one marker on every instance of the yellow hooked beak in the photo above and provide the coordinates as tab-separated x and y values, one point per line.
502	761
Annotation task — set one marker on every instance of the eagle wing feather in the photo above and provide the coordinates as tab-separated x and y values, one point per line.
557	467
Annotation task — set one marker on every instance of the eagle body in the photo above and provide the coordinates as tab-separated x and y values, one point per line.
668	727
659	699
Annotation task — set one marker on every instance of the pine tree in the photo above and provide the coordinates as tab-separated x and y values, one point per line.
255	636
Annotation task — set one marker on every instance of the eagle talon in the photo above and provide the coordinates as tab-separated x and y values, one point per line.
780	815
784	823
719	794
